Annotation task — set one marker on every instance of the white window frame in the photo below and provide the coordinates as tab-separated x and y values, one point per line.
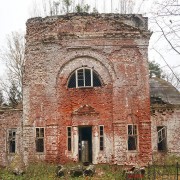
163	136
84	77
132	136
40	138
8	141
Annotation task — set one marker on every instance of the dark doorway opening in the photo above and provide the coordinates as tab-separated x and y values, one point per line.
85	144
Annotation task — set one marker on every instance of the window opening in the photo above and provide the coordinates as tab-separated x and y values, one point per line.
162	138
101	135
72	81
88	77
80	76
96	80
12	140
69	138
84	77
132	137
39	139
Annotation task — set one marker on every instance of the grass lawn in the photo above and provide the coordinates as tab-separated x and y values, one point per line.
44	171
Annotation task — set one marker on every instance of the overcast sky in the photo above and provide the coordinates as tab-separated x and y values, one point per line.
14	14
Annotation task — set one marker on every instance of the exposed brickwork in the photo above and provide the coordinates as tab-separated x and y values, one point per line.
168	116
115	47
9	119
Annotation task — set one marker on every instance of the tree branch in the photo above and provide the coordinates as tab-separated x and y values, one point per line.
167	38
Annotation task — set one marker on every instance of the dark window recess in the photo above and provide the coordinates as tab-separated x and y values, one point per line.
72	81
88	77
101	139
39	145
12	140
132	143
162	138
101	130
84	78
101	143
69	138
96	80
39	139
132	137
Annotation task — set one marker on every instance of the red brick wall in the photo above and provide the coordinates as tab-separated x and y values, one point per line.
9	118
117	50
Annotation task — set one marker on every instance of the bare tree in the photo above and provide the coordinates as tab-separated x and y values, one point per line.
13	55
51	7
126	6
58	7
80	8
167	22
164	21
169	76
1	97
67	5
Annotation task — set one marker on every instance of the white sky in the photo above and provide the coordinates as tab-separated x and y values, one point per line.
14	14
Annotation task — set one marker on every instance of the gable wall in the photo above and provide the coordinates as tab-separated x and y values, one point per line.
118	52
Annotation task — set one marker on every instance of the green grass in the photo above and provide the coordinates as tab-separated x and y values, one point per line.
40	171
44	171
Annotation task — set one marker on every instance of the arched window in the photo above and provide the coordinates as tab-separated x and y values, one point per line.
84	77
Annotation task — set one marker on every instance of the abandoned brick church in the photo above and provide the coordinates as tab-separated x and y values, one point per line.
87	95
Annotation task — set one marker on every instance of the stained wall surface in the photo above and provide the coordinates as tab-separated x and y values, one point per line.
168	117
9	119
115	47
165	113
56	46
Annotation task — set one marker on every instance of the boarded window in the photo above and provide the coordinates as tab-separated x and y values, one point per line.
69	138
101	138
132	137
162	138
39	139
12	140
84	77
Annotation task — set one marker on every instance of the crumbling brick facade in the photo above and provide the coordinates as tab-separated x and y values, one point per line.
10	119
86	95
167	116
115	48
